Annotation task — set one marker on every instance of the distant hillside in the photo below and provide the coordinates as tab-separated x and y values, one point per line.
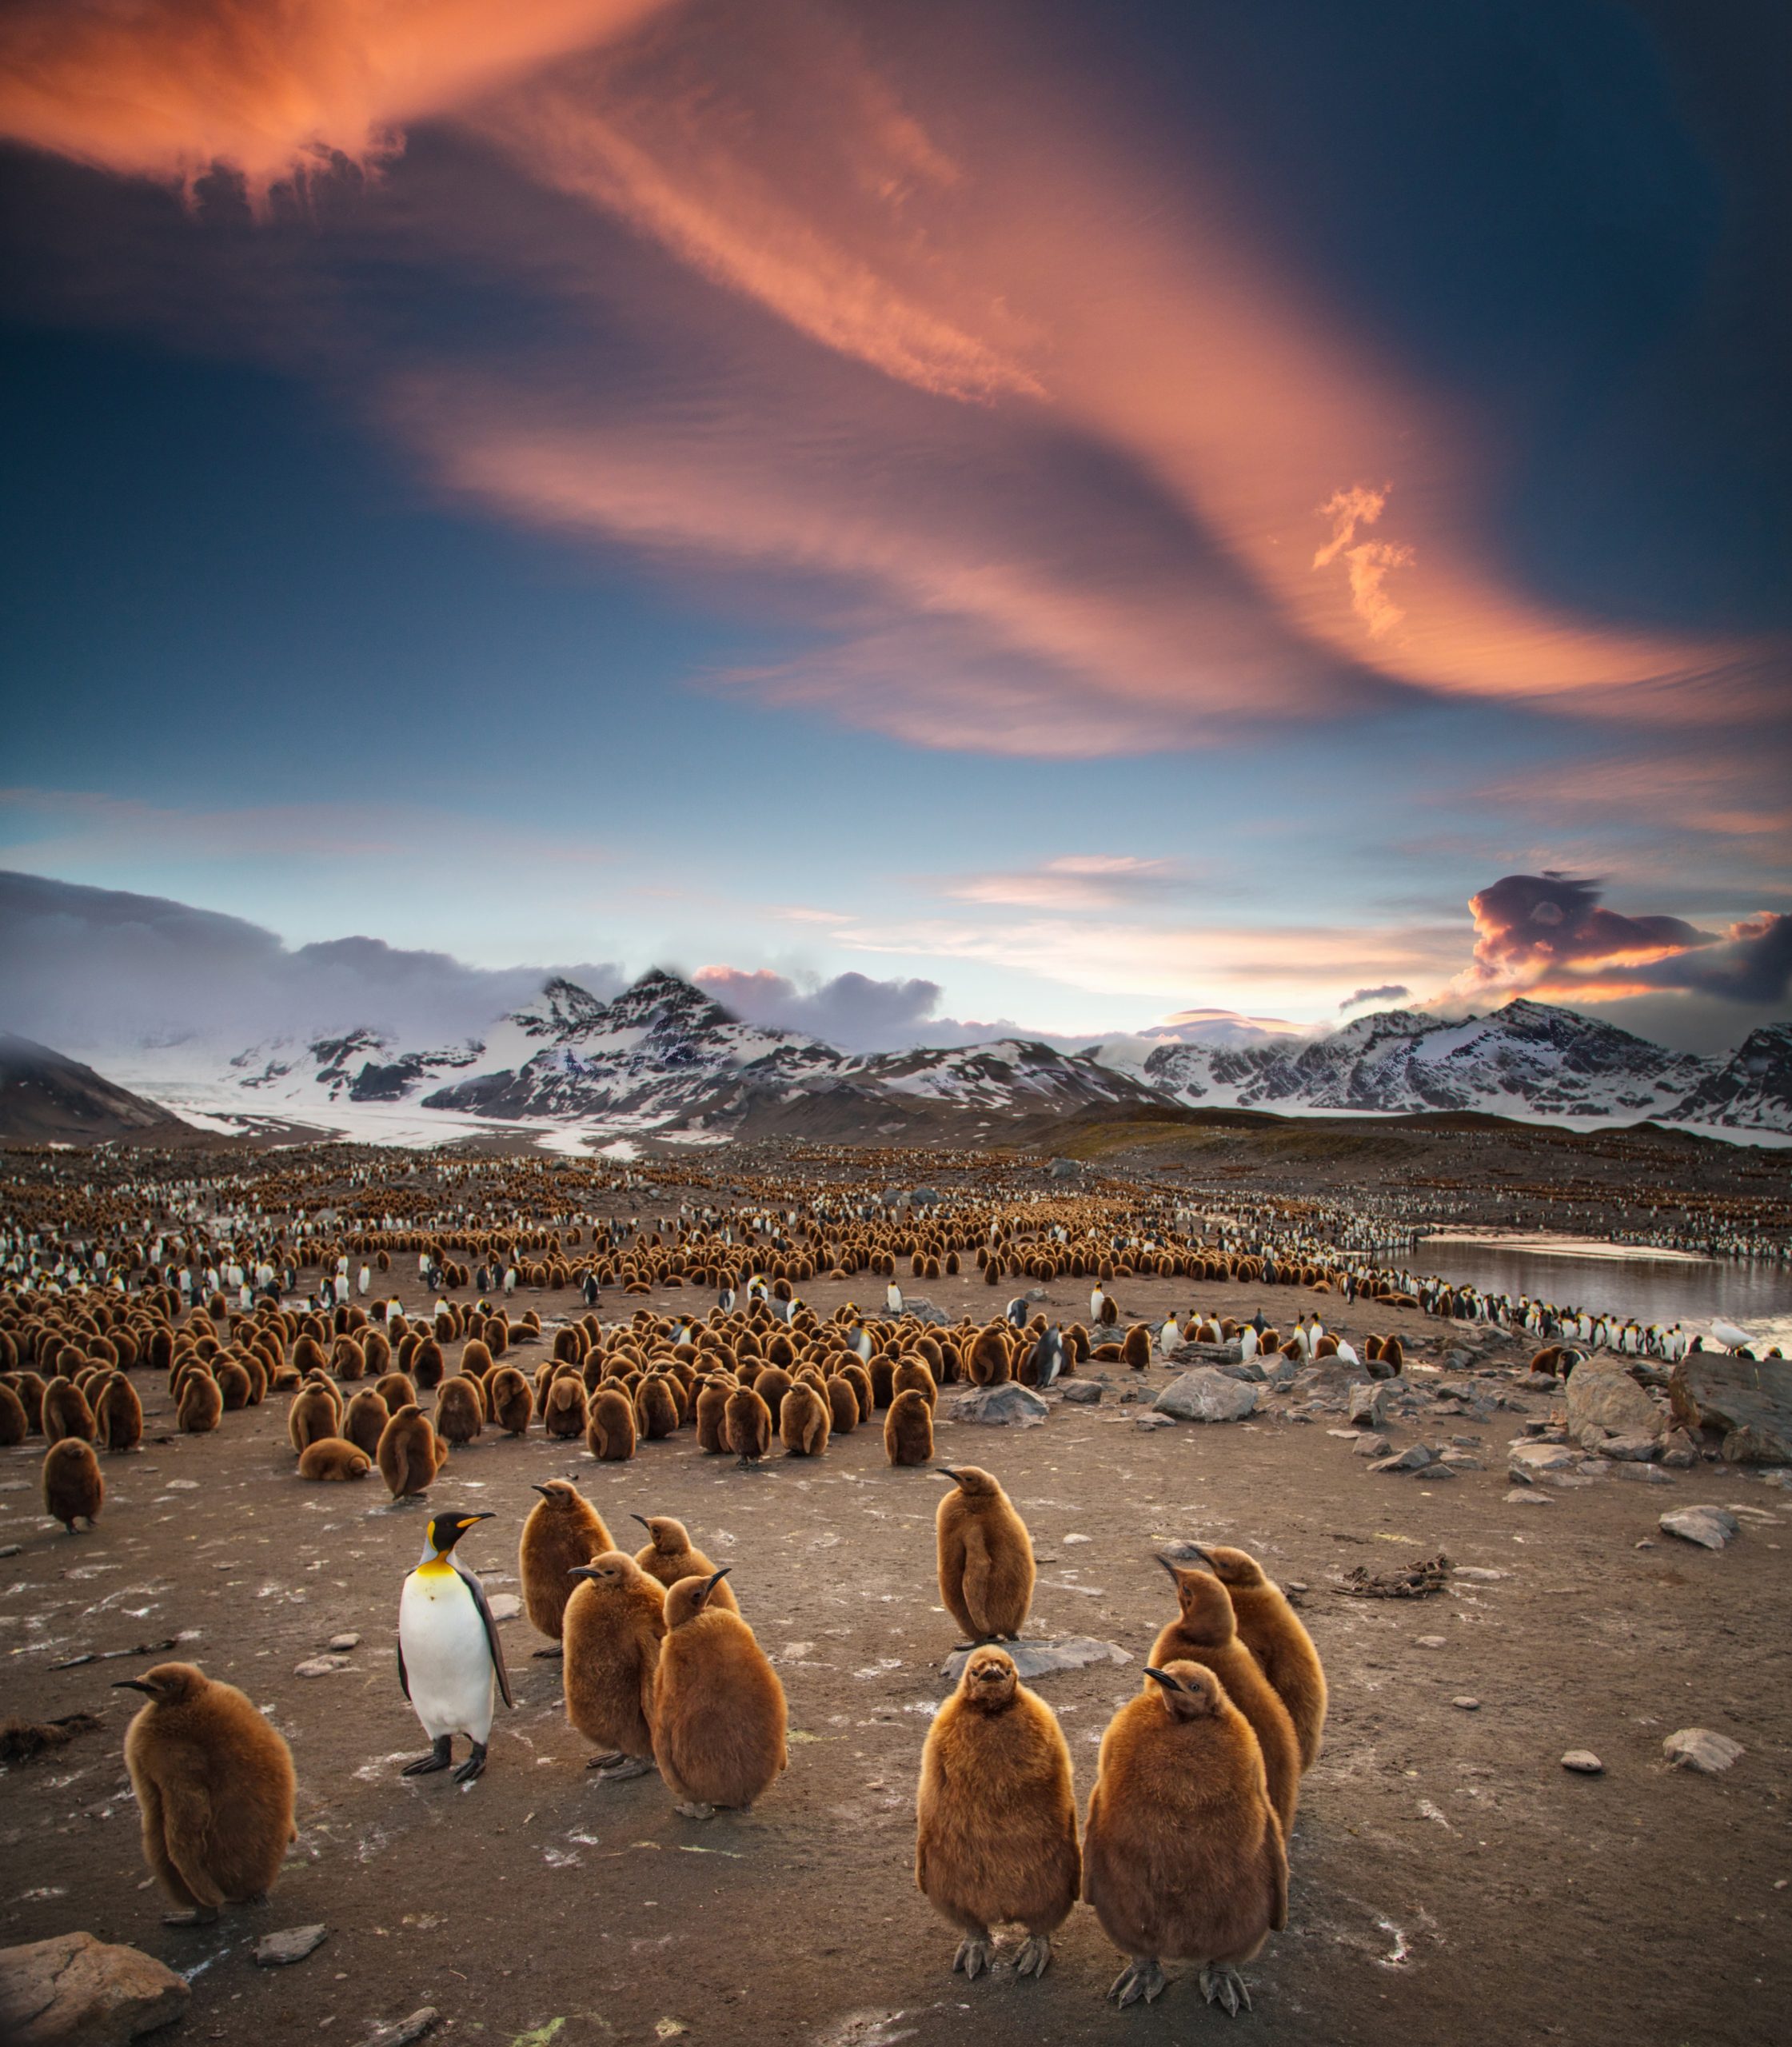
46	1098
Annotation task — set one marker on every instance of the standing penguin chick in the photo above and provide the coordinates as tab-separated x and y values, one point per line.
669	1555
712	1417
118	1415
410	1453
201	1405
803	1421
215	1791
1205	1632
615	1622
460	1410
513	1404
909	1429
563	1531
450	1660
610	1433
73	1488
656	1410
718	1707
986	1556
364	1419
747	1422
1183	1856
1271	1631
996	1831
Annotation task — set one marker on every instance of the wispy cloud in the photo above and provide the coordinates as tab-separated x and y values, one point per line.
1072	881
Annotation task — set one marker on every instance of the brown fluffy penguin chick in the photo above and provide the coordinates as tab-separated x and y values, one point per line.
73	1488
563	1531
748	1422
988	1363
201	1404
460	1411
656	1409
803	1422
718	1707
365	1418
118	1415
986	1556
334	1457
1183	1856
615	1623
563	1407
609	1433
1136	1349
512	1403
215	1791
65	1412
1205	1632
996	1831
311	1416
669	1556
909	1429
15	1424
842	1406
410	1453
396	1390
859	1380
911	1375
1269	1628
712	1417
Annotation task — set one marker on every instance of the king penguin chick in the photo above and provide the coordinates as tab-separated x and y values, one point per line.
995	1816
1205	1632
1183	1855
803	1422
747	1422
909	1429
718	1707
986	1556
450	1661
74	1488
615	1622
1271	1631
215	1791
669	1556
563	1531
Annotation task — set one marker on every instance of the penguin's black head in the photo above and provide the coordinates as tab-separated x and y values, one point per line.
445	1530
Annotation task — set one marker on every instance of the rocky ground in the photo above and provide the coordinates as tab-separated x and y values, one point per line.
1451	1880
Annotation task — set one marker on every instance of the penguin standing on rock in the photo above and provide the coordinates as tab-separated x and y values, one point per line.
450	1661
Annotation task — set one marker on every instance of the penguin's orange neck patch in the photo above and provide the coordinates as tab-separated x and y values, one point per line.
436	1567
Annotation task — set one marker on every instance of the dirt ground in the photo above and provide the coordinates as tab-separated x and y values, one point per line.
1452	1881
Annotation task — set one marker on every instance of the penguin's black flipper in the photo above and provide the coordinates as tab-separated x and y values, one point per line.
404	1675
492	1640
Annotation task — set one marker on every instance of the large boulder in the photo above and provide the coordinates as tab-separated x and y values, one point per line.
1749	1399
1207	1395
1607	1397
1001	1407
79	1991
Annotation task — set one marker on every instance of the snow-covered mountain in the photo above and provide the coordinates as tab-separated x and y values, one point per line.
1527	1059
662	1056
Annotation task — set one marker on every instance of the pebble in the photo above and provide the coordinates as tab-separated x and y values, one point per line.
320	1667
343	1642
1432	1641
12	1549
281	1951
1583	1762
506	1607
1697	1748
1468	1705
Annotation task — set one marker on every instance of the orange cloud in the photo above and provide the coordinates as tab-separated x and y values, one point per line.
170	89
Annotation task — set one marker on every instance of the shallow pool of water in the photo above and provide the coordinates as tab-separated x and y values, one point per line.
1755	1295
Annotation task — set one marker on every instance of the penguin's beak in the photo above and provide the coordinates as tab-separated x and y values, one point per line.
945	1471
541	1490
581	1570
644	1521
1175	1568
714	1578
132	1685
1164	1678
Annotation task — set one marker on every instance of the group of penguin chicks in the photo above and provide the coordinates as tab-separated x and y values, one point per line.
1183	1851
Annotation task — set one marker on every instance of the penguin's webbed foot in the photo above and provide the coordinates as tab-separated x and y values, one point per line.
1034	1957
439	1758
196	1915
625	1767
1139	1979
976	1955
1223	1985
691	1809
554	1654
473	1767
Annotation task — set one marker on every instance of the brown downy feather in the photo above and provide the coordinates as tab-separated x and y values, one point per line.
985	1557
718	1707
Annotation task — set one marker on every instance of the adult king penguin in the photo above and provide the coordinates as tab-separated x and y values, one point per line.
450	1661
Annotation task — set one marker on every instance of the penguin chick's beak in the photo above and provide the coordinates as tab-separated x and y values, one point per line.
581	1570
644	1521
1164	1678
545	1491
715	1579
945	1471
132	1685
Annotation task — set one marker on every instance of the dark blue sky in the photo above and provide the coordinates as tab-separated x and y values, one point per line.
1112	514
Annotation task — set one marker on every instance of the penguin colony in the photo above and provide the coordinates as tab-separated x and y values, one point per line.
1182	1854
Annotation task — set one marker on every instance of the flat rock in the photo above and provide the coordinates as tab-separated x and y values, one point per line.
76	1991
1711	1528
1372	1445
340	1644
1645	1475
1209	1354
1628	1450
1526	1496
1000	1407
1079	1392
1467	1704
504	1606
1583	1762
320	1667
1697	1748
1749	1399
1415	1457
1039	1659
1207	1395
1541	1463
281	1951
1608	1398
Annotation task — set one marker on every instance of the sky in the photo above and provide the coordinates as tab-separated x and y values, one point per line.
922	515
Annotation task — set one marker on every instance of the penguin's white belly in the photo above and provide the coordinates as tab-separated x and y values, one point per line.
447	1660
